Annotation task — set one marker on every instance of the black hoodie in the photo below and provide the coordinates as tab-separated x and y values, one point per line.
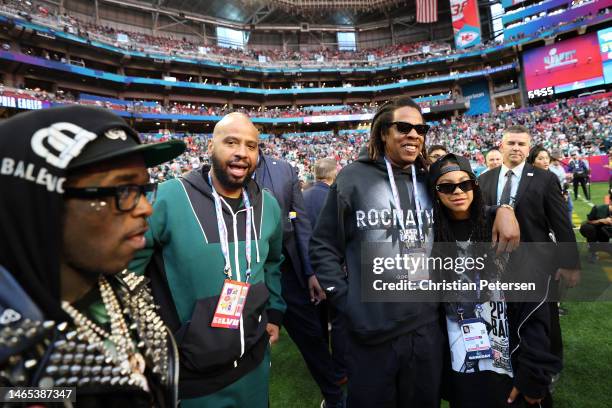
358	211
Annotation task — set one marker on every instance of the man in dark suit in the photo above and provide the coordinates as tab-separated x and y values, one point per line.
300	287
535	196
325	173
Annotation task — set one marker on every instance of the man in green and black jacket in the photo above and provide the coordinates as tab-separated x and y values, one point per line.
200	237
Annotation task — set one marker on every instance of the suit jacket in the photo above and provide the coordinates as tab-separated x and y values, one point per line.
314	198
540	209
277	176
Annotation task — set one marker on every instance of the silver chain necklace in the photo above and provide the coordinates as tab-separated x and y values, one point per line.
123	353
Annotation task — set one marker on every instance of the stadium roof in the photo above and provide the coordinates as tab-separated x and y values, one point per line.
283	12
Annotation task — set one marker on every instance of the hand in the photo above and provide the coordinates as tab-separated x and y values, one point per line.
506	231
273	331
515	393
571	276
317	294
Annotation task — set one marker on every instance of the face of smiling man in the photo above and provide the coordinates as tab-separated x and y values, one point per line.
233	152
402	149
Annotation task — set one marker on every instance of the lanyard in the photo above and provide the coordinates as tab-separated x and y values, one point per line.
223	235
396	198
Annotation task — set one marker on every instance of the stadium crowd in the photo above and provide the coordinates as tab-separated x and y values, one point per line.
573	125
582	125
186	108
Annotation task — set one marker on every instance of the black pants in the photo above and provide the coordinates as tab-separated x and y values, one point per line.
594	233
403	372
336	337
486	389
556	339
303	325
583	181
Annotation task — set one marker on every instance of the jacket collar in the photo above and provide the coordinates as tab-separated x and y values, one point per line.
199	180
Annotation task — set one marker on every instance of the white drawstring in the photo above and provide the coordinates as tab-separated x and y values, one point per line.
255	233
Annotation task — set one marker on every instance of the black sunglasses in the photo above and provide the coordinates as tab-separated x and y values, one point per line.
449	188
126	196
406	127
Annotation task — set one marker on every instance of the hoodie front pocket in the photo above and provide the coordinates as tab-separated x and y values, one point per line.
203	348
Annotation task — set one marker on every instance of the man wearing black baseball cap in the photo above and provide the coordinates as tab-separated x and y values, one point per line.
74	198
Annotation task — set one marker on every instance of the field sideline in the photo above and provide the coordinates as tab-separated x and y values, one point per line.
585	381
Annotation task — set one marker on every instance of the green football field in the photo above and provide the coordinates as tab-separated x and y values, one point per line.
586	381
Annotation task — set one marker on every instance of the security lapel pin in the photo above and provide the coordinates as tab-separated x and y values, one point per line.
529	174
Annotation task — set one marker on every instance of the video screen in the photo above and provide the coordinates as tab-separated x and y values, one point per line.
605	46
564	66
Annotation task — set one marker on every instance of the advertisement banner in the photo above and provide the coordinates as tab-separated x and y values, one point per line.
477	93
566	65
598	170
466	23
16	102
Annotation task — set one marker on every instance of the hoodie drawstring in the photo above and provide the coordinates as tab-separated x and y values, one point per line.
255	233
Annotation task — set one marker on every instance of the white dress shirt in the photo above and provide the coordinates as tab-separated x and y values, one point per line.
516	179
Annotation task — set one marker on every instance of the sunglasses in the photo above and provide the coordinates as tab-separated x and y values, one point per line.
449	188
406	127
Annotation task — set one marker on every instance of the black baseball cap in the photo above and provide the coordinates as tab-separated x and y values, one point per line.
116	139
441	167
75	136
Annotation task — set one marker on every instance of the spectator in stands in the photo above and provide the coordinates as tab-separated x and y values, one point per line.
598	229
579	169
435	152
